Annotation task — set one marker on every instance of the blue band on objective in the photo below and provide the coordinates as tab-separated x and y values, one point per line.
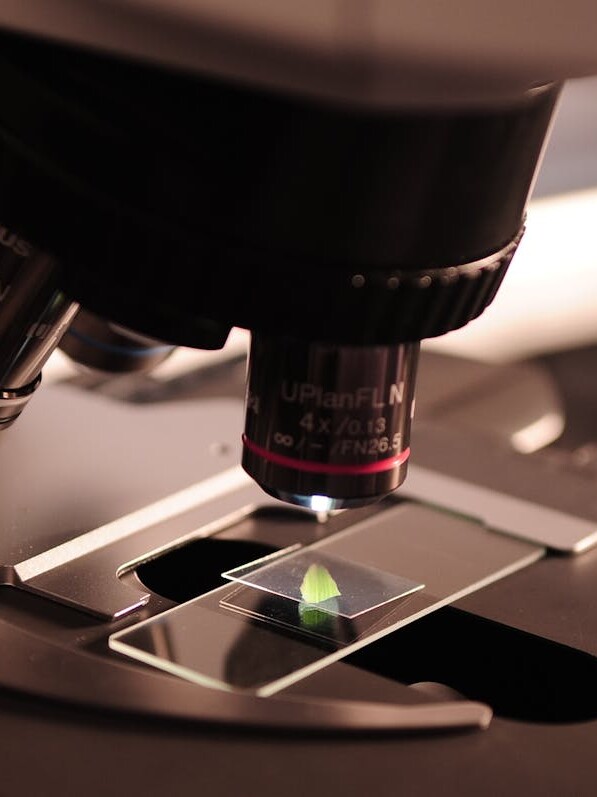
111	348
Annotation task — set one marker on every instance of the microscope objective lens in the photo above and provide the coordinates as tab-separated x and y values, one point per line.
327	426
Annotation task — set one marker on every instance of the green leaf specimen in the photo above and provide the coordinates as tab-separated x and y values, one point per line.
318	585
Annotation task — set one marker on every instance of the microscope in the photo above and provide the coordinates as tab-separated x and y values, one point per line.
341	230
343	180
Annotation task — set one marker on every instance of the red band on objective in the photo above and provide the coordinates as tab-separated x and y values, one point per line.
324	467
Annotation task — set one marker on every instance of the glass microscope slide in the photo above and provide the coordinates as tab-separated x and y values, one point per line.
250	639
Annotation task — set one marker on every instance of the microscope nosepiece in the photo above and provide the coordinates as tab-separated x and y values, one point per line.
327	425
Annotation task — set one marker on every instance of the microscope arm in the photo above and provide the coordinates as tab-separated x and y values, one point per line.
376	54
